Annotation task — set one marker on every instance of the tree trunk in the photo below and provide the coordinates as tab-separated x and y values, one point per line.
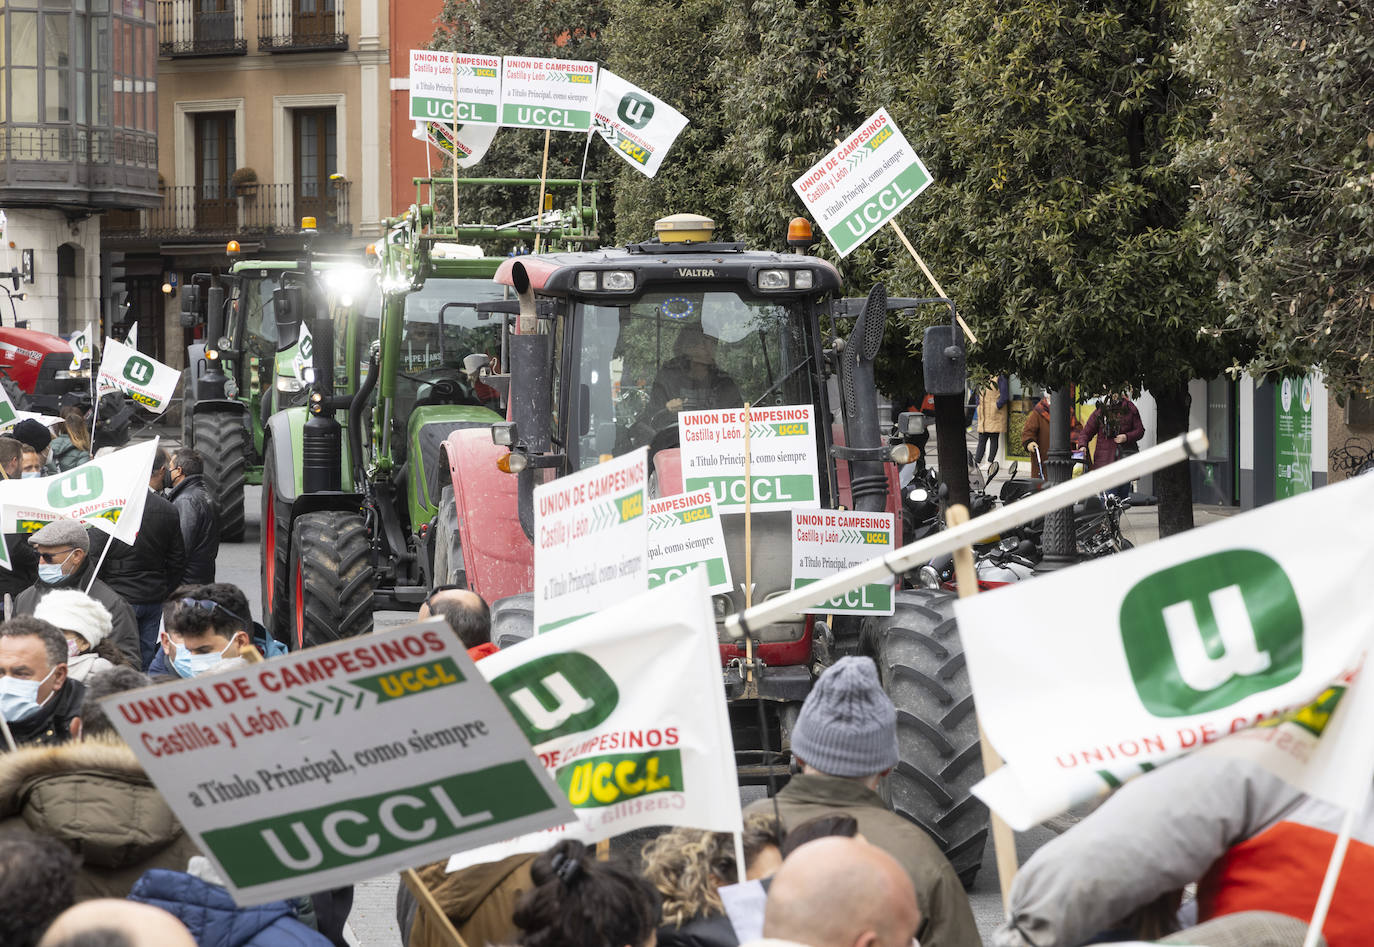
1173	485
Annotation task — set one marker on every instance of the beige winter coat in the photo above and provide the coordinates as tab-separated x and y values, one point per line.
992	419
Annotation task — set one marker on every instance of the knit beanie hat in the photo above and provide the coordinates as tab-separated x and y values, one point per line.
70	610
33	433
847	726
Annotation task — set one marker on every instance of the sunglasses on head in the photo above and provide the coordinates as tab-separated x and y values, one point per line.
210	605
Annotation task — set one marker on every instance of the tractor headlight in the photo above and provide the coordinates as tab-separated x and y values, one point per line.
918	495
802	279
618	281
774	279
586	281
928	577
289	383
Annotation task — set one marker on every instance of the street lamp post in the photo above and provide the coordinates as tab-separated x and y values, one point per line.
1059	541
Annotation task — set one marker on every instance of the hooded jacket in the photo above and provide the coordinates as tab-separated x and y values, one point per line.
124	635
199	528
479	900
151	568
214	920
93	797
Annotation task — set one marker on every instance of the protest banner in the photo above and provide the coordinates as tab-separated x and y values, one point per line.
638	126
47	420
146	381
591	537
338	763
685	534
558	94
466	145
467	91
783	473
1190	639
827	541
80	344
108	493
627	710
863	182
9	414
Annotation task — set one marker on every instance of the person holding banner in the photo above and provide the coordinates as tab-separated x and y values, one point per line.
63	548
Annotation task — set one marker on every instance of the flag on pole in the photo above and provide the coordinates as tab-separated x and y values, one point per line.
131	340
80	344
147	381
639	127
1251	628
304	359
466	145
108	493
626	708
9	414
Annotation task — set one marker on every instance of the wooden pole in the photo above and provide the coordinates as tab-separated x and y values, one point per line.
453	155
748	545
901	235
442	925
543	177
1003	840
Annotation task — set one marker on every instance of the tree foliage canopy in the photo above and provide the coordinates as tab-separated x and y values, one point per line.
1287	178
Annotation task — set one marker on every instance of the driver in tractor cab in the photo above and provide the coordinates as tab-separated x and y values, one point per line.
691	380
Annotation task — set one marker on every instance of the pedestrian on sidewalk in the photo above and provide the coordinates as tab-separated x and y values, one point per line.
993	414
1117	426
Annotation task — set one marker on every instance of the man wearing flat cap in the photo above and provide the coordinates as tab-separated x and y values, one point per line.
63	548
845	741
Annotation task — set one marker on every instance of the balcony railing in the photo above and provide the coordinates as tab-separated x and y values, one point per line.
200	28
196	213
286	26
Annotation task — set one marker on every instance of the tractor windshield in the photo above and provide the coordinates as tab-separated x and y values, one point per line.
643	362
438	335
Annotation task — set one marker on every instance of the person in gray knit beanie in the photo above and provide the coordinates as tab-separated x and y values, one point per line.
847	726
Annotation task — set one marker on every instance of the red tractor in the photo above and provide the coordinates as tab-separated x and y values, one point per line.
594	334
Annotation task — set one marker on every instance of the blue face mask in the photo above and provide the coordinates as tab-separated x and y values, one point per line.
198	664
181	661
50	573
19	699
30	474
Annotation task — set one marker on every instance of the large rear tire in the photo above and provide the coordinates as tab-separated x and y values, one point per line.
448	546
331	579
222	442
921	664
276	536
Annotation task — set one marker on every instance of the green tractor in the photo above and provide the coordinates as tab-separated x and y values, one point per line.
243	372
351	478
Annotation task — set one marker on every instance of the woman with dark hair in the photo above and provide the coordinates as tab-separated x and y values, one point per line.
579	900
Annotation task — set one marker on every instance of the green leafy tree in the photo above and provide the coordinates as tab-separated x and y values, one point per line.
1059	219
556	29
1288	178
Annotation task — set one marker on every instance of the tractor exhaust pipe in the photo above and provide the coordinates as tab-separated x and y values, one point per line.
531	394
867	479
527	323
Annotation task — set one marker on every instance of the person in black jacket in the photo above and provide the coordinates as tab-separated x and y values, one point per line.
37	699
63	548
147	572
23	570
199	516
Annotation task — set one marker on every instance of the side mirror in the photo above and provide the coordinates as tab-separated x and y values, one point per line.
14	277
911	423
1011	471
993	467
288	306
190	306
475	362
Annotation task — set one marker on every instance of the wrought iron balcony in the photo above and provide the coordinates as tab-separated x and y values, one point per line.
191	212
295	26
200	28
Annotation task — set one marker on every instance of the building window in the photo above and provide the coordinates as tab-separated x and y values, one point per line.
216	159
315	155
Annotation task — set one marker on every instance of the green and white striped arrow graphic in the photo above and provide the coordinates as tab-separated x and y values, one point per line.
323	701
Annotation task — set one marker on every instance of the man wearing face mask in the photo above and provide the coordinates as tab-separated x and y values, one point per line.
23	570
216	632
64	563
198	513
37	698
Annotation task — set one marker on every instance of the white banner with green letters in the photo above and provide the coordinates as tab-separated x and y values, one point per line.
1248	623
626	709
146	381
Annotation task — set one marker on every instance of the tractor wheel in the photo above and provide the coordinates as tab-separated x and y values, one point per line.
331	579
222	442
512	619
448	546
18	397
276	535
921	664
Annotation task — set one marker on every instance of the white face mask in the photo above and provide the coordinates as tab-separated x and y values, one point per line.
19	699
200	663
30	474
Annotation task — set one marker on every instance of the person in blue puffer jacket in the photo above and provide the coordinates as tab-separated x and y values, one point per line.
214	920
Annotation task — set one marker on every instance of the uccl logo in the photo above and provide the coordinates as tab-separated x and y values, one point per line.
635	110
1206	633
138	370
77	487
557	694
